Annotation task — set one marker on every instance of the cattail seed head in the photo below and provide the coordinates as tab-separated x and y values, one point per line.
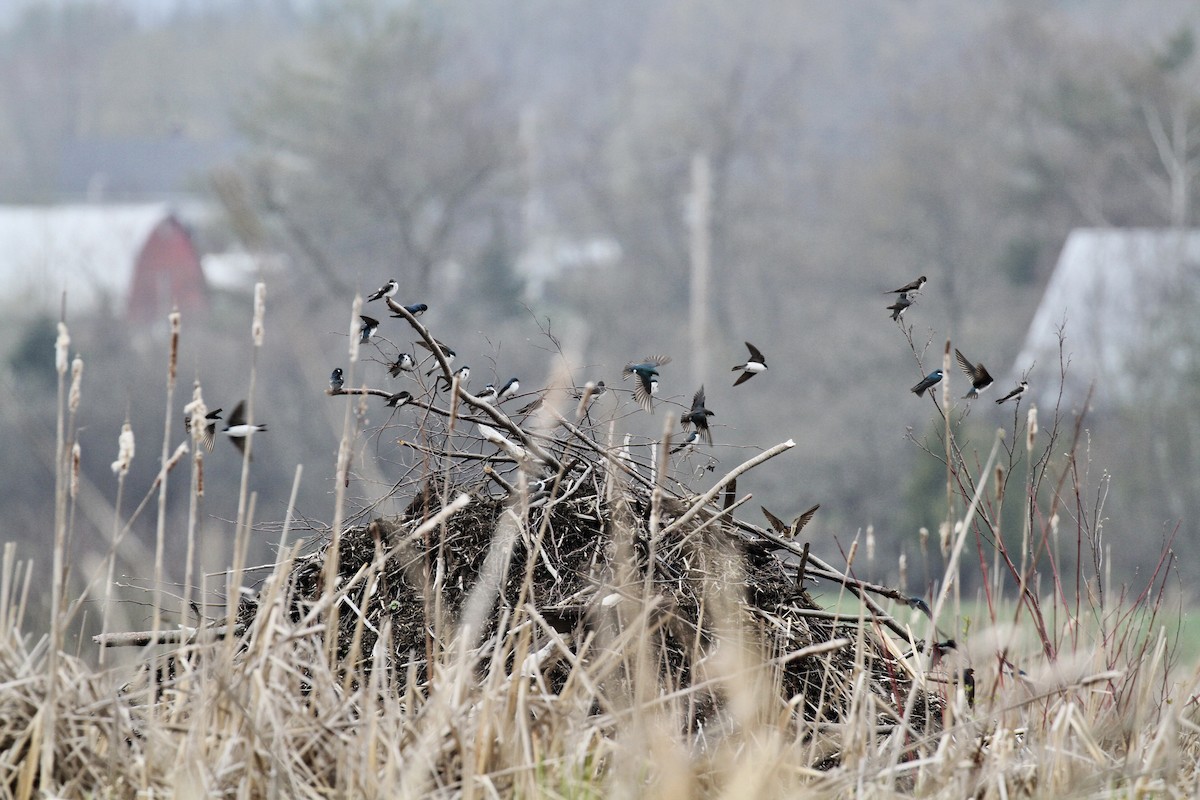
260	310
76	457
120	467
61	345
76	387
1031	428
175	320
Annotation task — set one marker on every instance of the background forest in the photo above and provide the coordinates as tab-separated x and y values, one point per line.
527	169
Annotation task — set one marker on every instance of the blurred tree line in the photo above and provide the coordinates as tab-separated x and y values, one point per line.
852	148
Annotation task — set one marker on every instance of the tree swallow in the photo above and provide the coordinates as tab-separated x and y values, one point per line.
447	353
387	290
754	365
900	306
368	329
463	374
210	427
417	309
335	380
237	430
790	531
909	288
404	363
532	406
689	443
1018	393
919	604
698	416
647	379
928	382
590	389
488	394
509	389
980	378
398	399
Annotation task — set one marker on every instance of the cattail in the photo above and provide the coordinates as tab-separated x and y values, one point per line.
870	543
999	482
902	564
355	308
1031	428
76	457
120	467
260	310
173	362
923	538
199	473
61	345
945	538
76	380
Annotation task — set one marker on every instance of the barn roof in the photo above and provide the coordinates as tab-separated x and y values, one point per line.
1112	292
90	250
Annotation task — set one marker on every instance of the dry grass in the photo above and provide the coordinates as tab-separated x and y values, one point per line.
556	617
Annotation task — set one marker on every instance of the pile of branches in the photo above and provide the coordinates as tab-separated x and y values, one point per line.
549	524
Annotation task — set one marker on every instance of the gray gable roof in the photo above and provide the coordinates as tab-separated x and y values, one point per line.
1116	293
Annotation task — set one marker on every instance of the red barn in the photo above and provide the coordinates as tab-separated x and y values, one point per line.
133	260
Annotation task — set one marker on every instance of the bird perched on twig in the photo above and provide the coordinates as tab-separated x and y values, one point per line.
509	389
647	379
1018	393
689	443
909	288
398	399
403	363
416	309
900	306
447	353
755	364
928	382
336	381
389	289
698	416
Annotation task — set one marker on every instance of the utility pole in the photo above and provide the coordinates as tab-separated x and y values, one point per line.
699	222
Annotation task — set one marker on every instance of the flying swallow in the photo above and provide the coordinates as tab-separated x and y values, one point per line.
403	363
689	442
335	380
790	531
509	389
980	378
463	374
647	379
909	288
398	399
698	416
919	604
387	290
210	427
1018	393
488	394
928	382
369	326
900	306
237	430
416	309
754	365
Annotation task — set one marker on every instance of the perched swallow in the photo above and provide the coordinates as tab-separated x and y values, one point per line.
335	380
416	309
980	378
210	428
900	306
698	416
447	353
928	382
647	379
389	289
237	430
589	389
509	389
754	365
488	394
532	406
1018	393
909	288
398	399
368	329
689	442
404	363
463	374
790	531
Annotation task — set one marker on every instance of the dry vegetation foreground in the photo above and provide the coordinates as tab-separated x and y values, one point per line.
554	616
